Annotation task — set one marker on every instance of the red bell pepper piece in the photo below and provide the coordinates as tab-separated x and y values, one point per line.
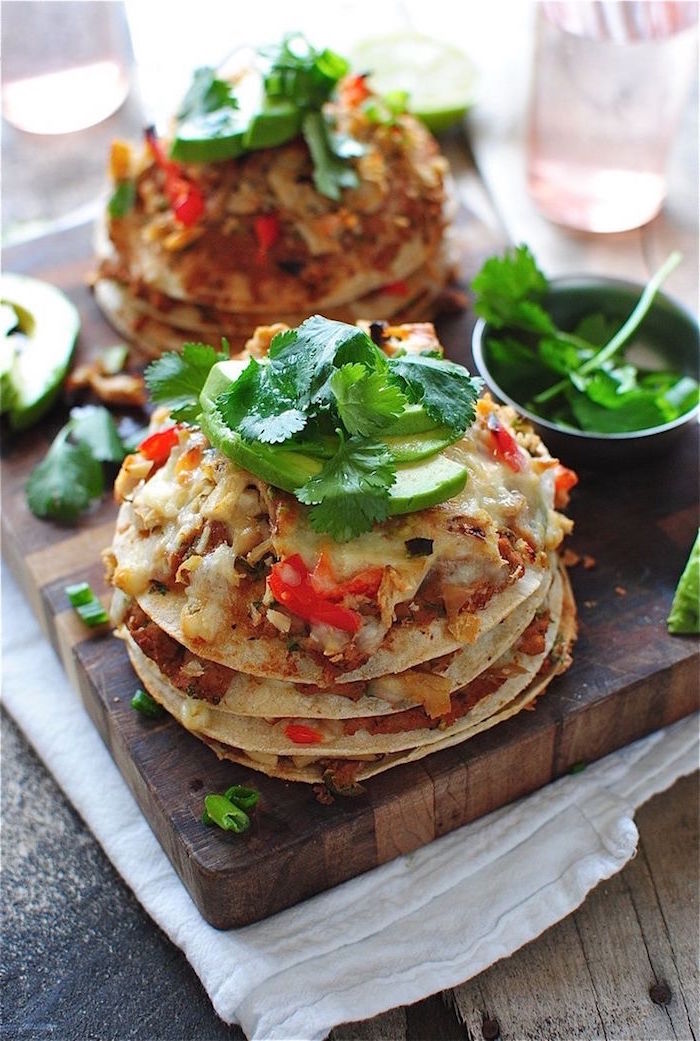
290	584
267	230
184	196
564	481
365	583
398	288
504	445
157	447
300	734
354	90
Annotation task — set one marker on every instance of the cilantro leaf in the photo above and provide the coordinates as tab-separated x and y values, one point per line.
446	390
351	492
261	405
299	72
177	379
366	401
331	170
508	292
66	482
205	94
93	425
635	410
309	353
561	356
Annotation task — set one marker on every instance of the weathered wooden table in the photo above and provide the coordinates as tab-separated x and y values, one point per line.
81	959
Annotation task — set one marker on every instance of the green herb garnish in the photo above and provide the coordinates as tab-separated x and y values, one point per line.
312	414
177	378
598	389
70	477
146	705
218	120
88	606
122	199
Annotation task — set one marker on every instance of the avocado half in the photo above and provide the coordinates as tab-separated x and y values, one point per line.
39	329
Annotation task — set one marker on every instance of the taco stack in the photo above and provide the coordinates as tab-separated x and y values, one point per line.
284	187
331	557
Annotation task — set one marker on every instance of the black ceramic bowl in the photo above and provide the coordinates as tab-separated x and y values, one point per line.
670	338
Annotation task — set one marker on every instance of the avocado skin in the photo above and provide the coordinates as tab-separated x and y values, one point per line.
50	324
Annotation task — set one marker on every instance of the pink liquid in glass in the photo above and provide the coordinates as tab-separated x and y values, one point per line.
610	81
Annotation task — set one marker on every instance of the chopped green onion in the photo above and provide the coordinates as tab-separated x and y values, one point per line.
89	607
242	797
225	814
145	704
80	593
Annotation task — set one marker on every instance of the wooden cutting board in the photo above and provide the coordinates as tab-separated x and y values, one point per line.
629	676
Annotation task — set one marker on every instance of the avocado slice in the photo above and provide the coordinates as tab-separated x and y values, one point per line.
425	484
409	448
413	420
281	467
221	376
277	122
210	137
36	352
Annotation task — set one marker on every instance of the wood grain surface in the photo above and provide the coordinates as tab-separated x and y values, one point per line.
629	677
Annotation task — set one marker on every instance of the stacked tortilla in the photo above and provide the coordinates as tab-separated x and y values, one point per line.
466	614
270	246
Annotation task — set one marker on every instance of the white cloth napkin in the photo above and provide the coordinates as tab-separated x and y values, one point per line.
419	924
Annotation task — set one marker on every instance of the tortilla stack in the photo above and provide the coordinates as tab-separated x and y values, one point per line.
464	613
375	248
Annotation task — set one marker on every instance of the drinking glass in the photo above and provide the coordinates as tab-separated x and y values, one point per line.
65	63
609	85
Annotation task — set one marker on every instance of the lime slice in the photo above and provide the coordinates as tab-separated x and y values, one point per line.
438	77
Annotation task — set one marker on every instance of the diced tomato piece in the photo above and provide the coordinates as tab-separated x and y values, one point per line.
157	447
290	584
504	445
300	734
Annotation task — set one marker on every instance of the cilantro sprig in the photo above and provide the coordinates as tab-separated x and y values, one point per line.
70	477
177	379
327	392
328	380
580	377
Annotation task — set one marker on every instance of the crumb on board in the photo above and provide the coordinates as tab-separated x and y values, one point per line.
570	558
620	590
322	795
